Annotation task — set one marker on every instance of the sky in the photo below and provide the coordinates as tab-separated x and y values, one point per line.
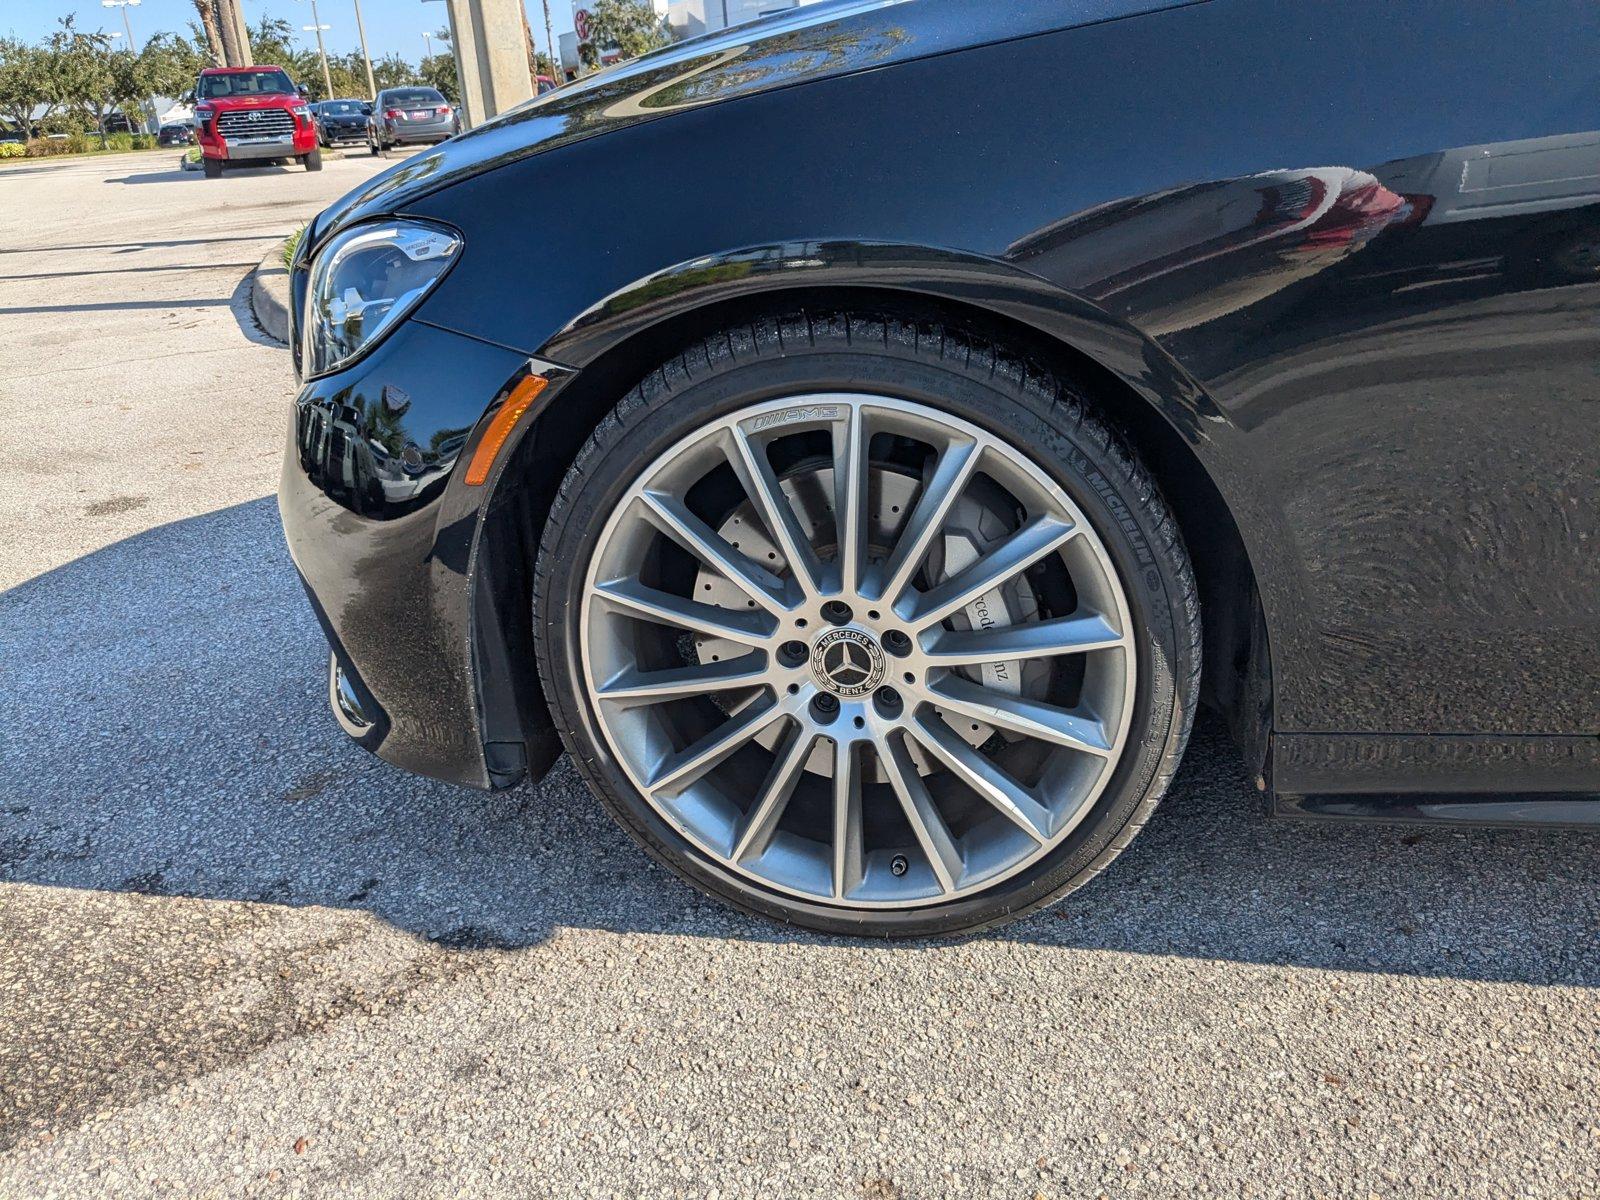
393	26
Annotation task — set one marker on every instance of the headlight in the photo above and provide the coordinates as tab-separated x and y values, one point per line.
364	282
302	111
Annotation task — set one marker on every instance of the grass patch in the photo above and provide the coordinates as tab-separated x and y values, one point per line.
293	243
89	143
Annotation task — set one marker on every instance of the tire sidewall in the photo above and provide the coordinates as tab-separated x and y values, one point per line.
1075	454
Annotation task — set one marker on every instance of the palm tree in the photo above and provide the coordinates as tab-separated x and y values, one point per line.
208	22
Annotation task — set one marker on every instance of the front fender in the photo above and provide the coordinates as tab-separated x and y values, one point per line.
807	267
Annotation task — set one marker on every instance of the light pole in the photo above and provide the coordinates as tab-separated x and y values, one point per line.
557	75
427	45
361	32
125	5
322	50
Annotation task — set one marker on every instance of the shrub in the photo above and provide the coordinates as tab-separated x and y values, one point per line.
49	147
119	141
144	141
192	154
13	150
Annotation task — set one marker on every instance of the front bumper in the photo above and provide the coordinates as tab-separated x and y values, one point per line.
386	538
241	149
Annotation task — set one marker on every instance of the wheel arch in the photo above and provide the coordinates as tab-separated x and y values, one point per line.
1156	407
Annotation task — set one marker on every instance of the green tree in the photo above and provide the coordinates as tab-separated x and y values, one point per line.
169	65
272	44
394	71
24	82
630	26
85	74
439	71
349	75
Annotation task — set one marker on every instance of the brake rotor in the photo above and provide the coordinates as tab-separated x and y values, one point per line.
969	529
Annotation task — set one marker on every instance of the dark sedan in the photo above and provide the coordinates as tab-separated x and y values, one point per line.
863	439
340	121
177	133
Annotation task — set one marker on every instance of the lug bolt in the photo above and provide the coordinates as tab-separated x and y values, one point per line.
837	611
897	643
824	707
888	700
792	654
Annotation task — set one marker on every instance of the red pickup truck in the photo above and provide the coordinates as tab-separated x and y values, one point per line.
244	113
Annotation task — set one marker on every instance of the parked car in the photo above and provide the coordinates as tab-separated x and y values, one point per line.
341	121
407	115
177	133
869	512
250	114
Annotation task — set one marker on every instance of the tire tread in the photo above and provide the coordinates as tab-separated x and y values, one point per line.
924	340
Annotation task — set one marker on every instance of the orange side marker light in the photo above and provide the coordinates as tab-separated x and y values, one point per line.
500	426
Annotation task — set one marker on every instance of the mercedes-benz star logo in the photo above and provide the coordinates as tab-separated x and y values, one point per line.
847	662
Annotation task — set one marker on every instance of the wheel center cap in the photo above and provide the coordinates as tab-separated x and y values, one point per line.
847	662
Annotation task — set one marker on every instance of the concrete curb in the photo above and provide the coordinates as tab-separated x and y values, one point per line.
269	295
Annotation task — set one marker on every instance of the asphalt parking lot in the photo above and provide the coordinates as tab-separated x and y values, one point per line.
240	957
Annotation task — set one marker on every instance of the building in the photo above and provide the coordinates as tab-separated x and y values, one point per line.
685	19
690	18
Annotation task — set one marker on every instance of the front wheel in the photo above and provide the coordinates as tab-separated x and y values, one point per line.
867	627
212	167
313	161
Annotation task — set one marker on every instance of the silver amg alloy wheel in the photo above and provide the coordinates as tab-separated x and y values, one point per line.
858	650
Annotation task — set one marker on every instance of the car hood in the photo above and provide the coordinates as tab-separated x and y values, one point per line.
819	41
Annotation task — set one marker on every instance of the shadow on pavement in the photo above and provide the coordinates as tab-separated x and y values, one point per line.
165	732
134	247
185	267
165	175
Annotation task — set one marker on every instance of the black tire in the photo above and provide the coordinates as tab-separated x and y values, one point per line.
313	161
212	167
372	148
968	378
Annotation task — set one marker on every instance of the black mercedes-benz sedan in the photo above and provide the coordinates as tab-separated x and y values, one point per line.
341	121
862	438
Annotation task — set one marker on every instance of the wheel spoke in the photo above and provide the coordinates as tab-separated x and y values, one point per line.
984	777
678	771
664	608
932	834
673	518
1042	639
949	479
850	445
1041	536
758	760
750	464
849	859
633	686
755	834
1017	714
